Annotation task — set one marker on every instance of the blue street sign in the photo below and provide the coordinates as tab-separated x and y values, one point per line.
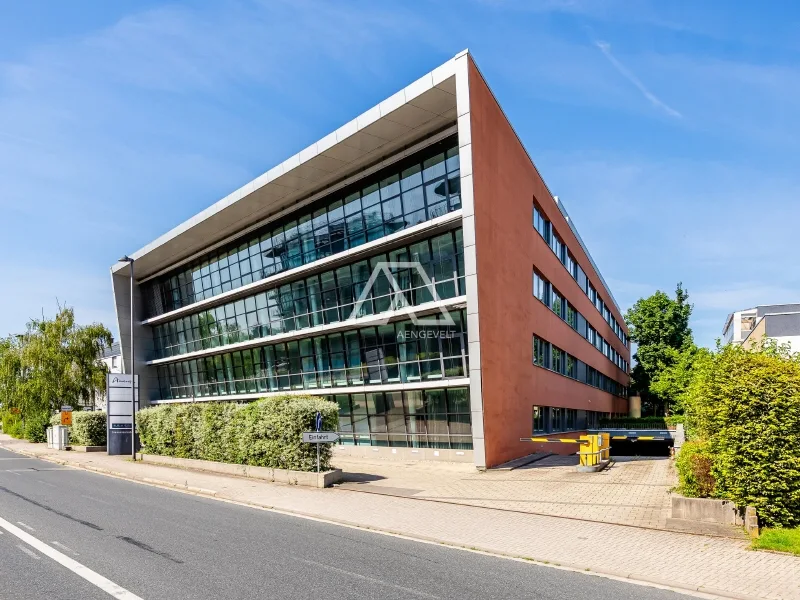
318	421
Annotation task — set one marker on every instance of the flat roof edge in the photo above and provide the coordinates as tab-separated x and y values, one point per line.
382	110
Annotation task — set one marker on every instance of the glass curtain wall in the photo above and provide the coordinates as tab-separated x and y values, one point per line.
436	418
417	189
328	297
400	352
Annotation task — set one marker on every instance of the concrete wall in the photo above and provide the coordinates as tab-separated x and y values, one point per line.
505	183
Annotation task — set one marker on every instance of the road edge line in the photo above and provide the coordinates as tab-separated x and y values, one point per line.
73	565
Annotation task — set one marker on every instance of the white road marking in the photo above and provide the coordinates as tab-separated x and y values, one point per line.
28	551
95	579
372	579
28	527
67	548
46	483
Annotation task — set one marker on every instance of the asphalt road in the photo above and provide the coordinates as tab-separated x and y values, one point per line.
158	543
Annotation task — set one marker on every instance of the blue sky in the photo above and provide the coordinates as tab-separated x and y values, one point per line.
671	130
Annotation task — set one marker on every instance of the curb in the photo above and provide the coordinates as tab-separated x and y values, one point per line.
627	577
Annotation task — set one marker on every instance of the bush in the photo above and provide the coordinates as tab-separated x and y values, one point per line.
35	429
694	471
88	428
265	433
746	406
12	425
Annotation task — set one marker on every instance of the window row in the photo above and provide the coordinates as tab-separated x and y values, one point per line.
548	294
548	232
329	297
418	189
554	419
399	352
437	418
550	357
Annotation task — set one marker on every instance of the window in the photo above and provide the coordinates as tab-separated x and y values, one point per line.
571	418
572	370
572	317
571	265
558	360
557	246
540	288
539	424
541	224
557	303
557	416
541	356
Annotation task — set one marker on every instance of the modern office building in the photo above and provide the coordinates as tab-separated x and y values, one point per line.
779	322
494	325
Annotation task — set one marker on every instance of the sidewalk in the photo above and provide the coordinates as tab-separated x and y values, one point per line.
632	491
716	566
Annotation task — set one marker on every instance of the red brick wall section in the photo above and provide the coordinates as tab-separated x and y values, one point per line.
505	183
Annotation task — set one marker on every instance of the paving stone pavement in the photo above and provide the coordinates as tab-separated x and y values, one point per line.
632	491
717	566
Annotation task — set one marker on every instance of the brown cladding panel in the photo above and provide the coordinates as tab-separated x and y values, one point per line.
505	183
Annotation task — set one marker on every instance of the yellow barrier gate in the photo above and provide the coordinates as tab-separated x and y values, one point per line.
594	448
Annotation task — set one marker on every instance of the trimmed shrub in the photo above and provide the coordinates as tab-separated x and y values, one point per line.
746	406
694	471
265	433
36	428
88	428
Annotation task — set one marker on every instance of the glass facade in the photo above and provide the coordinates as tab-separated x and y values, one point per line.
417	189
320	299
400	352
435	418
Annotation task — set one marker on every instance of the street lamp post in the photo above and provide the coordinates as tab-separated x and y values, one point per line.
129	260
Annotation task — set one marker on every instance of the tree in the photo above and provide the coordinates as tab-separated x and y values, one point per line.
671	383
55	362
659	325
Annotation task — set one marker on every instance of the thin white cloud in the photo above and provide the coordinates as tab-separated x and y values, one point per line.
605	48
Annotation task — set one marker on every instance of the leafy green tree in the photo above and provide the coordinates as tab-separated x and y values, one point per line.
659	325
672	382
55	362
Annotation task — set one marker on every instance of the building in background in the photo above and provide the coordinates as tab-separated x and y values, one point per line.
779	322
278	287
112	357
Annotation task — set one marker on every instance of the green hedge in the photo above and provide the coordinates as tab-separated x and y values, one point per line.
694	470
265	433
746	406
88	428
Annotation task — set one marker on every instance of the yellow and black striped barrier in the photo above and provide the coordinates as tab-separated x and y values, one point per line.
638	438
594	447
